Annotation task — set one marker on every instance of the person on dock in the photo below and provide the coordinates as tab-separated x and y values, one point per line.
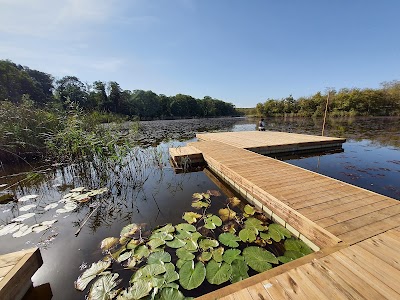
261	125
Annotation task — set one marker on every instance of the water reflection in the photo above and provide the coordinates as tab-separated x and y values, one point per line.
143	188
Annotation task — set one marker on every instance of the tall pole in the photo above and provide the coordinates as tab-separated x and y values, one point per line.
326	111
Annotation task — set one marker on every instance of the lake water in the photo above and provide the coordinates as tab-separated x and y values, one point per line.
146	189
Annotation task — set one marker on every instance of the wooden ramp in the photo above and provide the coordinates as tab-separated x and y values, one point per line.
367	270
16	270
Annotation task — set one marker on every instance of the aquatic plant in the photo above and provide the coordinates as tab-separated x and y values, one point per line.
171	259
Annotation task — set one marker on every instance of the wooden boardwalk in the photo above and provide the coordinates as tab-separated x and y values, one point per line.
355	231
16	270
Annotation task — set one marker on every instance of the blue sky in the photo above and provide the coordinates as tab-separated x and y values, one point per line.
239	51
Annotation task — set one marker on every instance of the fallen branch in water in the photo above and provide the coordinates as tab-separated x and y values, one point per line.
86	219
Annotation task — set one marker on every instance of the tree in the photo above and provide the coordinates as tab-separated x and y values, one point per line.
70	88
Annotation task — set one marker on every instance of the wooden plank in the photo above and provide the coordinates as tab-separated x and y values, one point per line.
11	259
292	288
258	292
333	266
242	295
364	220
367	277
18	280
275	290
383	249
372	229
4	270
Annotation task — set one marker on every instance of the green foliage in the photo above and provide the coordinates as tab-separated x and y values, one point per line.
190	253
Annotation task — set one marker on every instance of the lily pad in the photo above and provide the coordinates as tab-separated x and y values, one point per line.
102	288
9	228
129	230
141	251
27	197
185	227
108	243
205	256
239	270
191	241
217	254
22	231
297	245
226	214
191	217
212	222
200	204
50	206
169	228
247	235
234	201
169	293
23	217
197	196
214	193
278	232
87	276
138	290
170	274
229	239
192	276
259	259
159	258
155	243
249	210
184	254
208	243
124	256
27	207
40	228
78	189
218	273
254	224
176	243
231	254
50	222
165	236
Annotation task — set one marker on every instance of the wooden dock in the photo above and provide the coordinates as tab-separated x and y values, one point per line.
16	271
348	226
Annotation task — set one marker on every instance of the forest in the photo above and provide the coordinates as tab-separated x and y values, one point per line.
384	101
19	83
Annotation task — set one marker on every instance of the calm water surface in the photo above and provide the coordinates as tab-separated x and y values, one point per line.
146	189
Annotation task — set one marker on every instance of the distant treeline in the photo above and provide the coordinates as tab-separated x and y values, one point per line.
345	102
19	83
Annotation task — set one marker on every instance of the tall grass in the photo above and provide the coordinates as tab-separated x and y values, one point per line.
27	132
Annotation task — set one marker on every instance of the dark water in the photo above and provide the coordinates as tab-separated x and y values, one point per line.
146	190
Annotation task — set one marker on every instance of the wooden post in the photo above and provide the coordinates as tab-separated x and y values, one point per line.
326	110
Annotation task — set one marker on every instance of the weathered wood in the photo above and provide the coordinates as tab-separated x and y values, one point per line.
17	280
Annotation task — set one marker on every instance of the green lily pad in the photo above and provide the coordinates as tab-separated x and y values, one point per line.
218	273
155	243
138	290
159	258
278	232
166	228
239	270
249	210
132	244
141	252
191	241
124	256
254	224
229	239
217	254
259	259
297	245
205	256
192	276
102	288
247	235
180	263
191	217
208	243
87	276
185	227
165	236
212	222
170	274
176	243
148	272
184	254
169	293
231	254
197	196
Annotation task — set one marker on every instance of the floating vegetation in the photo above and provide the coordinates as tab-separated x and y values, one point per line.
27	198
171	260
27	207
23	217
50	206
